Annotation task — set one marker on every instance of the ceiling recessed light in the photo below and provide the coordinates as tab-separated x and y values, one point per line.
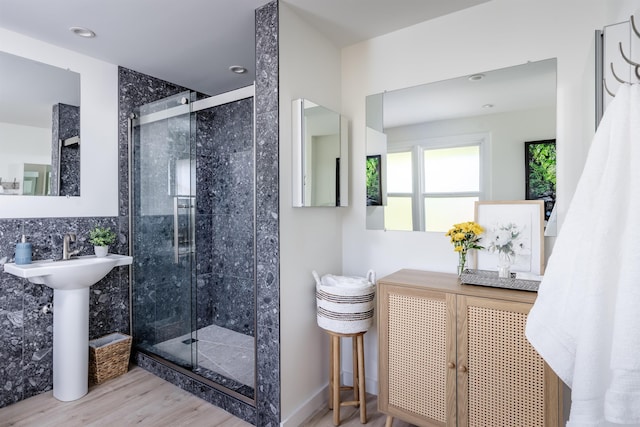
476	77
487	106
82	32
238	69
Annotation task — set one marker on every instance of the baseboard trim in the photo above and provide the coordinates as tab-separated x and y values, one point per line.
319	400
308	408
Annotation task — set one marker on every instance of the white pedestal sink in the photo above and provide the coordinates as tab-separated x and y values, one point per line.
70	281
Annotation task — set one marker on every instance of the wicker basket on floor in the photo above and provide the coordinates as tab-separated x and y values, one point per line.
108	357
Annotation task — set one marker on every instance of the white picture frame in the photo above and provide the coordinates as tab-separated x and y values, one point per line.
521	218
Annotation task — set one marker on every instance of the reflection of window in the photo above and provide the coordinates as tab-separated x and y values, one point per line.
430	188
400	203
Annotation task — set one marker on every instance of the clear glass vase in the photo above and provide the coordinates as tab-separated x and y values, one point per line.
462	261
504	265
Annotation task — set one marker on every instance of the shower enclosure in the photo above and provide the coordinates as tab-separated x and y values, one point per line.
192	224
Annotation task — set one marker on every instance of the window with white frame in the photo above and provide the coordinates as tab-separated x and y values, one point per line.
434	183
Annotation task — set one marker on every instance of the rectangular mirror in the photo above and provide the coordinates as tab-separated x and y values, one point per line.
320	156
39	129
445	145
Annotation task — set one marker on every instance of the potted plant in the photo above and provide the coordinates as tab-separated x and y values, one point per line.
101	238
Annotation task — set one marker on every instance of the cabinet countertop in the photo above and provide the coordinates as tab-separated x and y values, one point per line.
446	282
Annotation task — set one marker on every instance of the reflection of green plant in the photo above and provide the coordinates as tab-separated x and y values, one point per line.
101	236
373	180
542	170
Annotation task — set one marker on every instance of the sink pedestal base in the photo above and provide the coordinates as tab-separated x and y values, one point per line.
70	343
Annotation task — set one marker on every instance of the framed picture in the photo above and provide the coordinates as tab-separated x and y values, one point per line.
374	180
540	173
514	228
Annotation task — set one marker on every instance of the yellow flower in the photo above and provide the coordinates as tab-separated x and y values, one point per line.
465	236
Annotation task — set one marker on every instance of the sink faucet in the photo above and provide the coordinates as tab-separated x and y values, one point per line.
66	254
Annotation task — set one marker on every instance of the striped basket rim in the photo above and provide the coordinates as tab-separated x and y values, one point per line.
344	299
345	316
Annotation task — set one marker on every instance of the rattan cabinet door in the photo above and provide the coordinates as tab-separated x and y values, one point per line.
502	380
417	355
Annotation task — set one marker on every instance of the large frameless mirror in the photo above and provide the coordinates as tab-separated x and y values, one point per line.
39	129
320	156
435	149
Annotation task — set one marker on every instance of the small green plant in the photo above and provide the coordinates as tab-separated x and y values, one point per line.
102	236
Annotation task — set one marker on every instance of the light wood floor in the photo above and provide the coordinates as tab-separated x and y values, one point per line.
142	399
350	416
136	398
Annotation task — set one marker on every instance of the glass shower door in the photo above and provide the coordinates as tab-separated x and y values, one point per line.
163	239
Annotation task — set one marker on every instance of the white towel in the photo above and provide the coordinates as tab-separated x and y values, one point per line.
586	320
354	282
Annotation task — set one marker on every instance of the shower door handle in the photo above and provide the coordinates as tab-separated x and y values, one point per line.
187	203
176	232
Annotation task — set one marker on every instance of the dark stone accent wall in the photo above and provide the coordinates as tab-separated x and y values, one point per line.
26	334
267	217
225	212
65	161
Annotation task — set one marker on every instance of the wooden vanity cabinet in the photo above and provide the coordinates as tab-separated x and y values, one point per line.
456	355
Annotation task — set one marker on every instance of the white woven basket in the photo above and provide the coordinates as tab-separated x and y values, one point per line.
345	304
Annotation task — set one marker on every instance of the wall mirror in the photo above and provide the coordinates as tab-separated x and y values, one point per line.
442	146
320	155
39	128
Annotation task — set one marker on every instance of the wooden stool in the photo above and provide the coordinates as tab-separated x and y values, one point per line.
359	390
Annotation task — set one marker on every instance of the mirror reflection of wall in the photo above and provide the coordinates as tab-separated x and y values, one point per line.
39	111
319	155
37	180
448	144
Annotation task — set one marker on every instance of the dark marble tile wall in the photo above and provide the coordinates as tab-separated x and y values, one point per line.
65	161
26	334
225	212
267	218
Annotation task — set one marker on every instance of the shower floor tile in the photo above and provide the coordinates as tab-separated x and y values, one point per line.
220	350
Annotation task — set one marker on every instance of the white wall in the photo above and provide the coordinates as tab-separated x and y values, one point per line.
98	127
620	10
497	34
310	238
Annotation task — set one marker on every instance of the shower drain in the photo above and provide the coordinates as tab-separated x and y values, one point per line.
189	341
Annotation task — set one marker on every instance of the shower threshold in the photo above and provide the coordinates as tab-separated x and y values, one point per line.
224	356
